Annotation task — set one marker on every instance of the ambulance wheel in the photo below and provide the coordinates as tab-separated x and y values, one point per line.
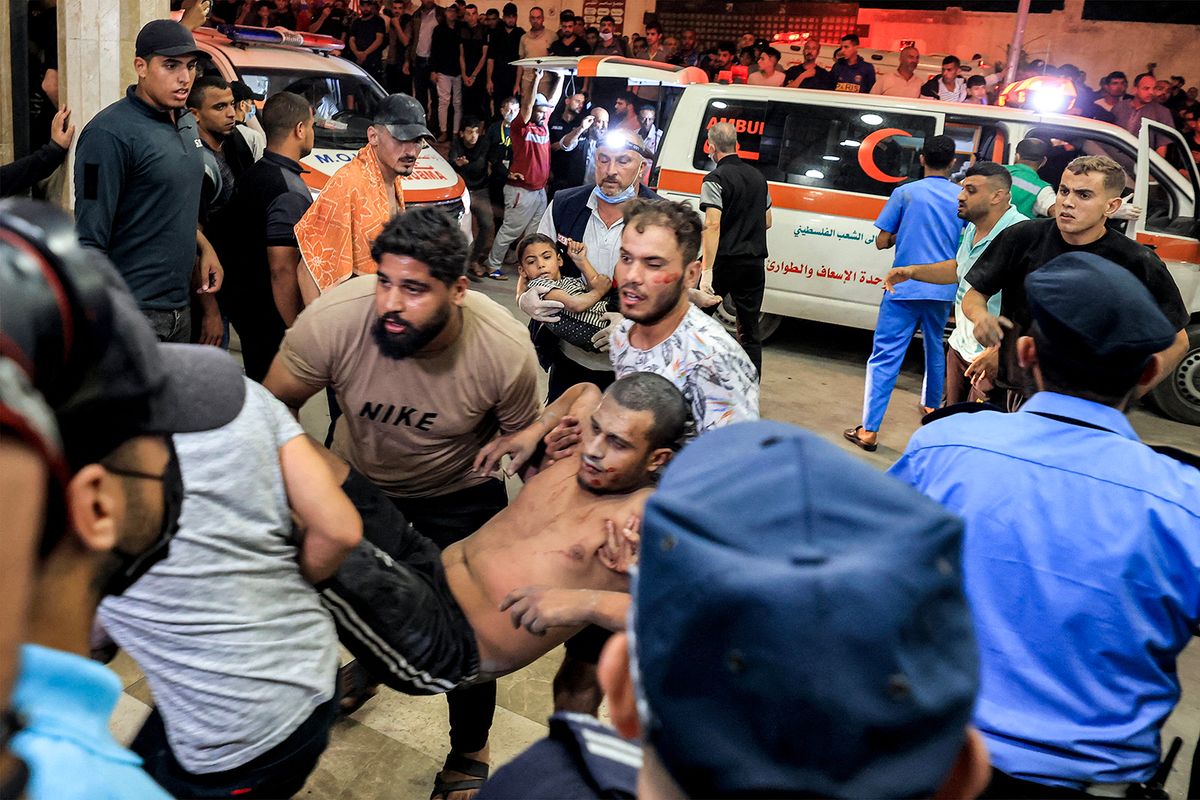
1178	395
727	316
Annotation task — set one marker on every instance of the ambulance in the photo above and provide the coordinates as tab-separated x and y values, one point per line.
272	60
832	159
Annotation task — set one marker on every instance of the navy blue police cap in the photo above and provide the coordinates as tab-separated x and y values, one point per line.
799	626
1095	319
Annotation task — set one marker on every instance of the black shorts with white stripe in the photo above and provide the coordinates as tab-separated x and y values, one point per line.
393	606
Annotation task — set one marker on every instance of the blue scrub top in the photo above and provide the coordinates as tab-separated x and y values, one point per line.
924	217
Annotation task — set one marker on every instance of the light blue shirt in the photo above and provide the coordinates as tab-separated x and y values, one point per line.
66	701
962	338
924	217
1082	566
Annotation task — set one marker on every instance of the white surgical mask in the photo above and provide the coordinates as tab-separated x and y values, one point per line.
606	36
510	115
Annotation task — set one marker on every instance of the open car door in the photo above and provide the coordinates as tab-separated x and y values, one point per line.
636	71
1168	190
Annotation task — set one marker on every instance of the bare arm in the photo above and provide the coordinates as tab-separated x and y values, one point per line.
578	303
331	525
711	236
575	403
939	272
989	330
308	287
285	289
289	389
538	608
1169	359
885	240
529	96
770	222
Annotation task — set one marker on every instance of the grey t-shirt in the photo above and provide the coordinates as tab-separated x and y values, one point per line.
234	642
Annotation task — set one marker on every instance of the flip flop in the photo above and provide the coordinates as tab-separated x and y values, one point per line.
478	770
852	436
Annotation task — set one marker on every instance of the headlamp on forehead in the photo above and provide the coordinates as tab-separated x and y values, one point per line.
620	140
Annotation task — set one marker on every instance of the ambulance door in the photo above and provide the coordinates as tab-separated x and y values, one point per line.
1168	189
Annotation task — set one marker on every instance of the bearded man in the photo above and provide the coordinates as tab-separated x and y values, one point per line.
426	373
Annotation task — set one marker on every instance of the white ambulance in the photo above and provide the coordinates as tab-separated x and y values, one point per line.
832	160
270	60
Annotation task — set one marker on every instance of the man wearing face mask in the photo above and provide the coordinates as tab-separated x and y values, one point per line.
122	504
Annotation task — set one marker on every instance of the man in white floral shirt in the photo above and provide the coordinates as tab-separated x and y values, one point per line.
663	331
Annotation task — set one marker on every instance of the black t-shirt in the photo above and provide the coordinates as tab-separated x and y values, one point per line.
505	46
578	46
283	19
226	11
473	41
334	25
1027	246
363	31
820	79
443	55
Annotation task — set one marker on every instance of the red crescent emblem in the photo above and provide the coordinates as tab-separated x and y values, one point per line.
866	155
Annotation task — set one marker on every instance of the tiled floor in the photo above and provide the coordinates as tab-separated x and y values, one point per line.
393	745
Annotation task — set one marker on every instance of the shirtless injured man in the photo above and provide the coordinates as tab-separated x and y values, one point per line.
556	559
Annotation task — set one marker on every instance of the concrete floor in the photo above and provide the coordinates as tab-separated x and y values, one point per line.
813	377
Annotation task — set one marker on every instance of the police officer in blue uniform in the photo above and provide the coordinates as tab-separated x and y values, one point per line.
1082	549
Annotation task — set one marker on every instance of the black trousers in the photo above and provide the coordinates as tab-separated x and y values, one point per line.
743	281
447	519
260	334
397	81
279	772
423	87
1005	787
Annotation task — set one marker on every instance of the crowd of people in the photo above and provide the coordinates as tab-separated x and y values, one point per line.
767	615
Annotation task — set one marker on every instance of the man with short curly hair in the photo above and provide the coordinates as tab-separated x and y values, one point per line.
426	373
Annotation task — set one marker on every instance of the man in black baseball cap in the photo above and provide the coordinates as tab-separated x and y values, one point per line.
165	37
402	116
139	169
360	198
122	493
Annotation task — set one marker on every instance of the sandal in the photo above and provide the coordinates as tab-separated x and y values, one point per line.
355	688
478	770
497	276
852	436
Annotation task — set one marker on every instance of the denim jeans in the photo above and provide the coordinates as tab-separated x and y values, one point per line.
174	325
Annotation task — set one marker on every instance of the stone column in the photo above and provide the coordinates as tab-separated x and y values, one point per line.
6	98
95	56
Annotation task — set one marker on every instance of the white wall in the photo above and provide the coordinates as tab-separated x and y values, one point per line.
1059	37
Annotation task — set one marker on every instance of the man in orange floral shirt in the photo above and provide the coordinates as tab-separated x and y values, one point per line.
336	232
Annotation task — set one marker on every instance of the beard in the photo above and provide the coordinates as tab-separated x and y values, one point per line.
650	315
398	346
